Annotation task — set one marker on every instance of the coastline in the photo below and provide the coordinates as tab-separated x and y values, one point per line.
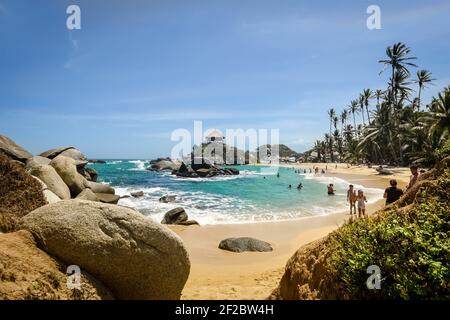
219	274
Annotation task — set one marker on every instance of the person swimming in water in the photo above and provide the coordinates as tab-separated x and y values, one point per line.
290	187
330	189
300	186
278	175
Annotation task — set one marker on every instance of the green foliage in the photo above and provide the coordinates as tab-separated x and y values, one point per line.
412	249
443	151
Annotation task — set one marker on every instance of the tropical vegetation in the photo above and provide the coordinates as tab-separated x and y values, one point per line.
390	125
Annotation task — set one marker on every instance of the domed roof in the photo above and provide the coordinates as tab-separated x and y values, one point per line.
215	134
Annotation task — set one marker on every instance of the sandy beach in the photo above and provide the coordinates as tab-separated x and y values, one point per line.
218	274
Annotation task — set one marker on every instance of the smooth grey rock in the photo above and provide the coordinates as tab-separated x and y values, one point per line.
175	216
52	180
67	170
245	244
12	150
134	257
137	194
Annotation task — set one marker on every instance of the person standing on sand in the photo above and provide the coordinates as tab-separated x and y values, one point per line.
393	193
414	175
351	198
361	199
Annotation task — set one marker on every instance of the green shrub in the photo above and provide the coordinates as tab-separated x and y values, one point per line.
444	151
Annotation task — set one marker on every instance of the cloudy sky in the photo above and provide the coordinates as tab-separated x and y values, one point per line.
137	70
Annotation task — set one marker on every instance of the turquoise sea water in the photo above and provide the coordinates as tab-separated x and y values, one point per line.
254	195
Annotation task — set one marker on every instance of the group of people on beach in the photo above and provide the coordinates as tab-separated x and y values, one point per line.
357	198
391	194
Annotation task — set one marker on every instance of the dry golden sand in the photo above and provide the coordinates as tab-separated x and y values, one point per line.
218	274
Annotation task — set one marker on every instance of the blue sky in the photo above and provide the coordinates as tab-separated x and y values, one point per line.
137	70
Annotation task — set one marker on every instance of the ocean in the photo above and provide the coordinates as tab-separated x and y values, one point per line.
252	196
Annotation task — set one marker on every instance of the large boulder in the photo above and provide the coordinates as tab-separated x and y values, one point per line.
164	165
100	187
175	216
87	194
12	150
137	194
67	170
107	198
53	153
133	256
27	272
37	160
245	244
20	193
92	173
50	197
74	154
52	180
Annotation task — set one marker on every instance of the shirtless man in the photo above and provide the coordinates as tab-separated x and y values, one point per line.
351	198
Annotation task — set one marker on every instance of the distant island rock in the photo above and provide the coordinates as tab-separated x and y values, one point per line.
200	168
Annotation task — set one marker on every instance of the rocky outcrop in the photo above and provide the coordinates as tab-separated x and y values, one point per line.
167	199
37	160
12	150
137	194
199	168
97	161
164	165
175	216
107	198
133	256
53	153
53	182
100	187
178	216
20	193
245	244
50	197
75	154
28	273
67	170
87	194
91	174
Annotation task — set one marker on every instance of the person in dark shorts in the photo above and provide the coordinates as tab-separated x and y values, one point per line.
393	193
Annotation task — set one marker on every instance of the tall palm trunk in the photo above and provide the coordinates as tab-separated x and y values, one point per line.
368	115
420	92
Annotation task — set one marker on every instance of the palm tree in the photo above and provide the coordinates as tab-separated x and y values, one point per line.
361	106
367	95
331	114
335	122
423	79
344	117
354	109
398	59
438	117
378	95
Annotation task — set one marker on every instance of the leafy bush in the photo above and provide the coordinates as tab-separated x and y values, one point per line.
443	151
411	247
